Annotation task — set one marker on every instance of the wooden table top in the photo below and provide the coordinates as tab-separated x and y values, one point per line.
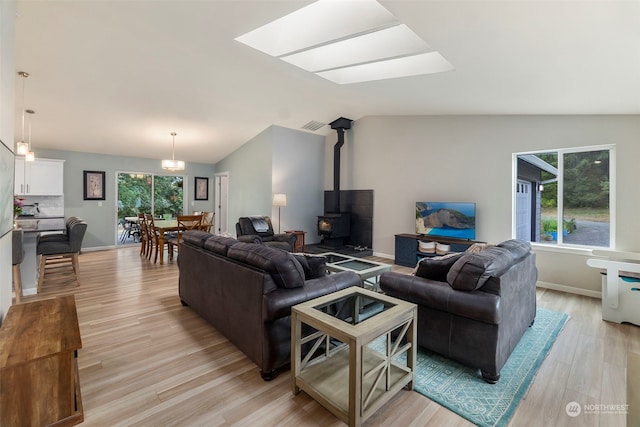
26	332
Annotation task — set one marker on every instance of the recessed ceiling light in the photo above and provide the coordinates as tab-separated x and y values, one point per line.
347	41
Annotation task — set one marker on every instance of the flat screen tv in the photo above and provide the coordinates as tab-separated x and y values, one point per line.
446	219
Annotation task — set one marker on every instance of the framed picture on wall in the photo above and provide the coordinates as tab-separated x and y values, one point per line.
94	185
202	188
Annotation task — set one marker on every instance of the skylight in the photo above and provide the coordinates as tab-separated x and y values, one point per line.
347	41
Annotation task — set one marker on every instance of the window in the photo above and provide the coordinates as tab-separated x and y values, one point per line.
572	187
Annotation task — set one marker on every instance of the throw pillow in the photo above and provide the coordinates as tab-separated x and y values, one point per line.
313	266
472	271
436	268
517	248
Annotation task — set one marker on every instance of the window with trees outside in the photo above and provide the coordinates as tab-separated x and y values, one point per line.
160	195
566	196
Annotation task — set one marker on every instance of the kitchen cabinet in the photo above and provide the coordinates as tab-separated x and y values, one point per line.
42	177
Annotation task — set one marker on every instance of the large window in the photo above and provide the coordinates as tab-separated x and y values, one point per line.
565	197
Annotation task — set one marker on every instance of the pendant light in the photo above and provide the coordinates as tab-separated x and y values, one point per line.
22	148
173	164
30	156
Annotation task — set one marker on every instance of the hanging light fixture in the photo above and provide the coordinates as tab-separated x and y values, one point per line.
173	164
30	156
22	148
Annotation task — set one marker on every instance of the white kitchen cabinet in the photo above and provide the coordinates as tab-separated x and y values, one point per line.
42	177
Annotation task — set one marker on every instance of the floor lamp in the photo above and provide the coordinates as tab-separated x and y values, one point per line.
279	200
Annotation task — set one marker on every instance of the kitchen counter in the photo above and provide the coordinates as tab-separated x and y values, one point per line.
40	224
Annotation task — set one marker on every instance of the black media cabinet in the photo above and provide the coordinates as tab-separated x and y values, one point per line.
407	252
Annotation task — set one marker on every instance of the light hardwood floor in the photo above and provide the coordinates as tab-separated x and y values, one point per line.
148	361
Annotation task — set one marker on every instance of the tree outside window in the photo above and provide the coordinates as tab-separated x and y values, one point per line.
570	198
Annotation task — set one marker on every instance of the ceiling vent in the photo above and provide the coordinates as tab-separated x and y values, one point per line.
313	125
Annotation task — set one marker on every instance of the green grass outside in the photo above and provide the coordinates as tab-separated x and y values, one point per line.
586	214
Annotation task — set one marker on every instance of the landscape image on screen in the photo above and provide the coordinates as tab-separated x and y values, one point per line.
446	219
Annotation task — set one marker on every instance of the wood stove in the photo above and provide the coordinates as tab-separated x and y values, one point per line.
335	227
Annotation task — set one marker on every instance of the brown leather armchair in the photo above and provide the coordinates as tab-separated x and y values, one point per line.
258	229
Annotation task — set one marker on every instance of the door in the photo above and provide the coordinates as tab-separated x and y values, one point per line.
221	183
523	210
160	195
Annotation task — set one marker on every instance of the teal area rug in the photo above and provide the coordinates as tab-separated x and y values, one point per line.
462	389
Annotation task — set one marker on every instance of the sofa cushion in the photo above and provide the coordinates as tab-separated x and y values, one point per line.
314	266
285	270
196	237
517	248
219	244
471	271
436	268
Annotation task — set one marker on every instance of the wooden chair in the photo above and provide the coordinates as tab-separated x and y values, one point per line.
208	221
144	237
154	238
185	222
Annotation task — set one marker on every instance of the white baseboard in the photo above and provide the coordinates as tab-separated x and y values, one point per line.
381	255
569	289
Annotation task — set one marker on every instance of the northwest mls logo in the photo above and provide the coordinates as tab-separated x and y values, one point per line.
573	409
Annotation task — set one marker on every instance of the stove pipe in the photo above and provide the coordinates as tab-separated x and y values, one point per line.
339	125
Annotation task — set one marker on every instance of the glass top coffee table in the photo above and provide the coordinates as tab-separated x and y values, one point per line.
350	363
368	271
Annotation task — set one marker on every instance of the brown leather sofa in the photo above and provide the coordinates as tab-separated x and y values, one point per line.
246	290
472	307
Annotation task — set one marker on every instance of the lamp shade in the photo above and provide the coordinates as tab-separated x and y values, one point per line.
173	165
279	199
22	148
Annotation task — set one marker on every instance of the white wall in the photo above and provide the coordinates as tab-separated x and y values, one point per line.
7	84
298	172
468	158
278	160
249	169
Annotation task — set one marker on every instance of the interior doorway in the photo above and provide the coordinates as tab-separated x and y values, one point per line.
221	183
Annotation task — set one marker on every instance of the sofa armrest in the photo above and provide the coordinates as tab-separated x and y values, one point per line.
288	238
250	238
477	305
277	303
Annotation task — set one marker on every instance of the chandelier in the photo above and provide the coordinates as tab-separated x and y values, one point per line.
173	164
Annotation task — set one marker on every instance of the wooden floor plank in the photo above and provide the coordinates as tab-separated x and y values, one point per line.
148	361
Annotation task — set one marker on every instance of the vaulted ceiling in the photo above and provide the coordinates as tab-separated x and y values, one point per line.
117	77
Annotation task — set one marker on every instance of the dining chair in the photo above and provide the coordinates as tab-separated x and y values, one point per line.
152	238
185	222
144	238
208	221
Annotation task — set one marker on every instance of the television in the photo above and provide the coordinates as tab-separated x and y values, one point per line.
446	219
